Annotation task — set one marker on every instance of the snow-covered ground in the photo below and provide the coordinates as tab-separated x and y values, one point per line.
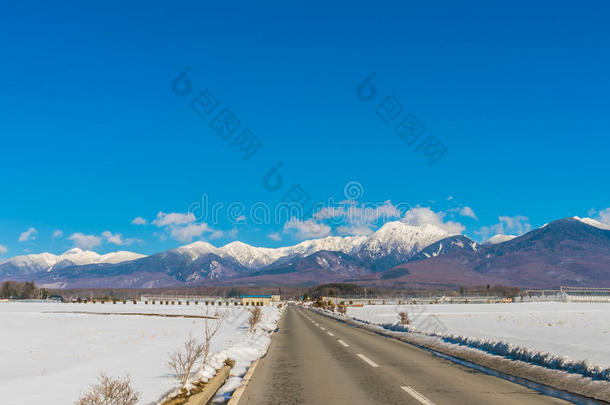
56	356
579	331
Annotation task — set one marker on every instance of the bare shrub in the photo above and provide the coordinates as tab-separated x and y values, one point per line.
110	391
211	327
342	309
181	362
403	318
255	317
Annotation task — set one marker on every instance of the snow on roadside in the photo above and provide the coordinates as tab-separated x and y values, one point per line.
61	354
244	352
569	337
253	347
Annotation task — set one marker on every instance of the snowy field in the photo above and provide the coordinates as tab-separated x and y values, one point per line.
579	331
56	356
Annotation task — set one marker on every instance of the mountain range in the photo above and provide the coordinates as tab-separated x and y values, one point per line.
570	251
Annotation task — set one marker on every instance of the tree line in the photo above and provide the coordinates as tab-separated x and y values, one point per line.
26	290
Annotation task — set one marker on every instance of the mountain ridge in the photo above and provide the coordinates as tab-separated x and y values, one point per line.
569	251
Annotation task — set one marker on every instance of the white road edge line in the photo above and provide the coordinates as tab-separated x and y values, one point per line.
417	395
369	361
330	333
343	343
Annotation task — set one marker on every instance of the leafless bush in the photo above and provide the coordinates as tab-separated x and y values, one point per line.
211	327
255	317
342	309
110	391
181	362
403	317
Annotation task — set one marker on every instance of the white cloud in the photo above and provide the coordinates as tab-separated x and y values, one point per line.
217	234
173	218
3	249
307	229
355	230
30	234
359	214
161	236
189	232
604	216
57	234
85	241
366	215
275	236
424	215
182	227
352	218
329	212
232	233
468	212
517	225
117	239
139	221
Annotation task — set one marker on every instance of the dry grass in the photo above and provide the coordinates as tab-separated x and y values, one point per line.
256	314
403	318
110	391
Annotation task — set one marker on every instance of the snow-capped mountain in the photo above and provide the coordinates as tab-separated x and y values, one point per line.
499	238
395	242
568	251
195	249
29	264
395	239
452	244
593	222
253	257
345	244
399	238
248	256
119	257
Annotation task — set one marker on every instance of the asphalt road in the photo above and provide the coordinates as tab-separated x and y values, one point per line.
316	360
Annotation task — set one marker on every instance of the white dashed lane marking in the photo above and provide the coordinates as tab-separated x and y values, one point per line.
417	396
343	343
369	361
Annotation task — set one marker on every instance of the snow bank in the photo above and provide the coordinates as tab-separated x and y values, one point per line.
514	352
570	335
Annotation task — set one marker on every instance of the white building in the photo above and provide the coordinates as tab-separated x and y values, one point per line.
582	294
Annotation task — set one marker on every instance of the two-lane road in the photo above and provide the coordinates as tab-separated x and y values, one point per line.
317	360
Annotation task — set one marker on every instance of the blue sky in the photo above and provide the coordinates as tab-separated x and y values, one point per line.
93	136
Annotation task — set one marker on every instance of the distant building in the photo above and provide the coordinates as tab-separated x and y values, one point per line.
581	294
476	299
259	300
